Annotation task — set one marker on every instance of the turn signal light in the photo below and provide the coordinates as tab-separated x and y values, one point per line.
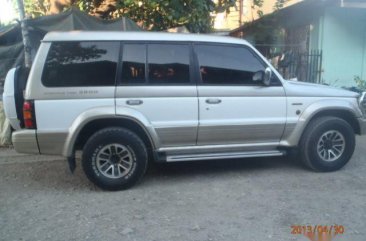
28	115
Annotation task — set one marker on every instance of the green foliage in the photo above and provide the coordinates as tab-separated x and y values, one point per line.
265	32
279	4
151	14
361	84
35	8
163	14
258	4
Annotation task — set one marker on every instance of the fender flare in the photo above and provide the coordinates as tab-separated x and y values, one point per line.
102	113
314	109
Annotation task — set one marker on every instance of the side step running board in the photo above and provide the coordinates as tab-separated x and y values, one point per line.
226	155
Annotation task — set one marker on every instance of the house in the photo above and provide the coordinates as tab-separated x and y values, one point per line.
325	40
244	11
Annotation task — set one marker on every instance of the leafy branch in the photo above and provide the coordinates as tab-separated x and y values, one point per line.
196	15
361	83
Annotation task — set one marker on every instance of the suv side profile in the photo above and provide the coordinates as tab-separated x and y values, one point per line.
125	99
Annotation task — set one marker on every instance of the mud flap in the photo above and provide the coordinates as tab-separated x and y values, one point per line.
72	164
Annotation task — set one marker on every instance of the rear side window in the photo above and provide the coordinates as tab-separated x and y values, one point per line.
227	65
134	60
168	63
72	64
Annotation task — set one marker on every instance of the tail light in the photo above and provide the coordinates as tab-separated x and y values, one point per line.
29	115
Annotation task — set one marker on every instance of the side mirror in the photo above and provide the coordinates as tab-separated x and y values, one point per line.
263	76
267	77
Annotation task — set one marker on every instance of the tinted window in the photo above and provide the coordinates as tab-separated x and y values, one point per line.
133	67
168	64
227	65
81	64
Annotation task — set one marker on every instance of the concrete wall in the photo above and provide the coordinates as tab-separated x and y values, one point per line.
341	34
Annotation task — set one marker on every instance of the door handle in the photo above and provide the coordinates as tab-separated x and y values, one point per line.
213	101
134	102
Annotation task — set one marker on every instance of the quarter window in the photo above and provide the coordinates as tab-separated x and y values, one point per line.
72	64
227	65
168	64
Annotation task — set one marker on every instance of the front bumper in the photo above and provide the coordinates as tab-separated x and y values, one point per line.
362	123
25	141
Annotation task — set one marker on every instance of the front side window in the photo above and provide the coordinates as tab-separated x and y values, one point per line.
72	64
227	65
168	63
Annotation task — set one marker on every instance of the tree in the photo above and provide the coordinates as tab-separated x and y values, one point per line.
57	6
268	29
280	4
150	14
258	4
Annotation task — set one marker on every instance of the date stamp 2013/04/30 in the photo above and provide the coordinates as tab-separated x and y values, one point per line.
318	232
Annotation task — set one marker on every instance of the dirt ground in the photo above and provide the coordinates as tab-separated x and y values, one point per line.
250	199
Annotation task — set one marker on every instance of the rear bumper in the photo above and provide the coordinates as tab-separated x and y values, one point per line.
25	141
362	123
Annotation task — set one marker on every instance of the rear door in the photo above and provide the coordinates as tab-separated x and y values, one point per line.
233	109
156	82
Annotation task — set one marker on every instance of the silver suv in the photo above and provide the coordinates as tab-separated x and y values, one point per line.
125	99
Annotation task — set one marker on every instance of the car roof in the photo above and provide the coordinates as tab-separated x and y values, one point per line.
139	36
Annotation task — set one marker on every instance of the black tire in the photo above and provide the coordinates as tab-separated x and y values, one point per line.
105	138
309	143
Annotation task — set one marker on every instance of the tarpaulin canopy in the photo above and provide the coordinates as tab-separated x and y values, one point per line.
74	19
11	45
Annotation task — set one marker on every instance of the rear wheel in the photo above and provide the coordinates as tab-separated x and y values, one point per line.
327	144
114	158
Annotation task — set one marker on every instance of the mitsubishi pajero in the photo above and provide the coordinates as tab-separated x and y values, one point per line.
126	99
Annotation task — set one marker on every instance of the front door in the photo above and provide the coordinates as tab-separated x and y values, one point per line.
234	109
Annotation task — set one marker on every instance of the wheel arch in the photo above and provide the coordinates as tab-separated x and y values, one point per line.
84	127
93	126
344	114
338	108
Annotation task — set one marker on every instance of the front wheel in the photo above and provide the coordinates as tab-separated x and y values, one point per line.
114	158
327	144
